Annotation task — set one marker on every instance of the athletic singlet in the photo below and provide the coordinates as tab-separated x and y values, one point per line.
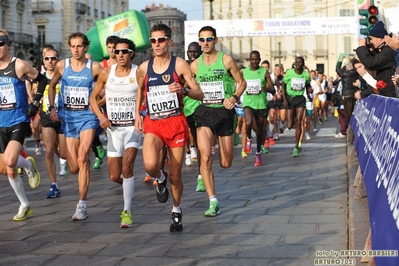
76	88
215	82
120	95
13	97
296	83
45	101
255	97
160	102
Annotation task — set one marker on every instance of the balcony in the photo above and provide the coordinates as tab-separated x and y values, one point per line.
80	8
43	7
279	54
297	53
320	53
20	38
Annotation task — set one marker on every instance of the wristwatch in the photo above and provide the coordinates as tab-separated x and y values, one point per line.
186	91
50	107
236	98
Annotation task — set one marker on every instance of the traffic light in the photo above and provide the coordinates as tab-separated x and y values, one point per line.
35	56
367	23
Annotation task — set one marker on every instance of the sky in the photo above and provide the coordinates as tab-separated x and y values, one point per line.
193	8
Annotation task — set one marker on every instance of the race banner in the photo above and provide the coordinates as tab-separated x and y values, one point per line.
375	126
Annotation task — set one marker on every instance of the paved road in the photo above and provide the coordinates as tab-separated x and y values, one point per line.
276	214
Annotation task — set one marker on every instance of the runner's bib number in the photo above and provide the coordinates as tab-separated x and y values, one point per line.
121	111
253	86
76	98
213	92
162	103
7	97
297	84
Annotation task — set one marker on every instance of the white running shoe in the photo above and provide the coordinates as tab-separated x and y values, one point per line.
188	159
80	213
193	153
39	148
33	175
23	212
307	137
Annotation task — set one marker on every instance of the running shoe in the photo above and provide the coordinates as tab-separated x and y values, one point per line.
340	135
20	171
295	153
193	154
236	139
148	179
97	163
200	185
213	150
248	146
320	121
276	137
258	159
162	190
39	148
307	137
63	167
80	213
281	130
54	192
271	141
23	212
314	129
101	151
267	143
188	159
213	209
167	159
33	175
176	222
127	220
263	149
243	154
300	146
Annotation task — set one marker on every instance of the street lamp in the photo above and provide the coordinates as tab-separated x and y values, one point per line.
211	10
279	53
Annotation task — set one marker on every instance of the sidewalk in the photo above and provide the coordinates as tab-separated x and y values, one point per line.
280	213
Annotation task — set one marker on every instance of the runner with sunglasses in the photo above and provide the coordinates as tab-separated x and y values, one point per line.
217	73
161	82
79	122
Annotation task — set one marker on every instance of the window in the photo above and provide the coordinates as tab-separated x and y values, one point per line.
348	45
41	34
102	14
346	12
96	13
88	11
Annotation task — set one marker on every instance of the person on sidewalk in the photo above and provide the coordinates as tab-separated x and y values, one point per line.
79	122
120	85
14	122
217	73
161	82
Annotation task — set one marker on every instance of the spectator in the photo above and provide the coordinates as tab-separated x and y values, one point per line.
382	60
393	42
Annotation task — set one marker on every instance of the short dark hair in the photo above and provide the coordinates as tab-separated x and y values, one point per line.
112	39
130	44
162	27
208	28
86	41
265	62
50	49
255	52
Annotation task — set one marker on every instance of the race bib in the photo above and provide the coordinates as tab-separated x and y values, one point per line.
253	86
162	103
121	111
213	92
297	84
7	97
76	98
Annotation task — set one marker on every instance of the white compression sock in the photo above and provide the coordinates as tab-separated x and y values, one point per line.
23	163
128	191
18	185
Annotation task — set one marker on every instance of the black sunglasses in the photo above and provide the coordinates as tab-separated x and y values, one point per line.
124	51
52	58
2	44
207	39
159	39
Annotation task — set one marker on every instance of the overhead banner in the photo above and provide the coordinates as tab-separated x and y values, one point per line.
375	126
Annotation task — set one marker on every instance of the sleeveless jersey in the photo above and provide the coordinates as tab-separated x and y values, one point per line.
45	101
13	97
296	83
255	97
160	102
120	96
76	88
215	82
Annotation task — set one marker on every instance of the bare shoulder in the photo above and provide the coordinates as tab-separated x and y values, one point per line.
194	65
228	59
142	68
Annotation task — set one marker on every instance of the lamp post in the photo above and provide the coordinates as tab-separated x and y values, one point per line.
279	53
211	10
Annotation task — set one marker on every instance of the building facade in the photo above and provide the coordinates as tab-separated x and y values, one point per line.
170	16
15	18
54	21
320	51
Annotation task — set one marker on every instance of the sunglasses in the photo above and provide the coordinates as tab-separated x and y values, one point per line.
159	39
2	44
52	58
207	39
124	51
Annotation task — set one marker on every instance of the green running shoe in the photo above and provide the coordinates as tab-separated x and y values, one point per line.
97	163
295	153
101	151
200	185
127	220
213	209
263	150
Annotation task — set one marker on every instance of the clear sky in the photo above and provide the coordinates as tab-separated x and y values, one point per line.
193	8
